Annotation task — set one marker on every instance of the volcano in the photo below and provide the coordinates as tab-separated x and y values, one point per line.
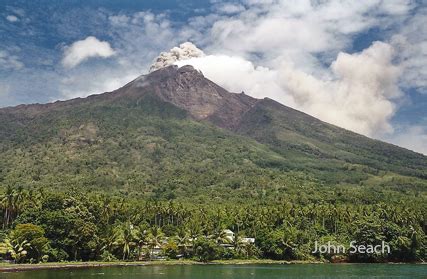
175	131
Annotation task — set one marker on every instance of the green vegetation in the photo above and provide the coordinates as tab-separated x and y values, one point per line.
139	179
152	149
95	226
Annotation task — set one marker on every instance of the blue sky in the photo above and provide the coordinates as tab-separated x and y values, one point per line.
361	65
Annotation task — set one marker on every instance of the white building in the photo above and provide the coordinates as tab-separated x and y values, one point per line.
230	235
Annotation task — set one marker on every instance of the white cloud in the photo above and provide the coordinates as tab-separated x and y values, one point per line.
301	46
356	94
411	137
9	62
83	84
12	18
294	40
306	28
359	96
229	8
119	20
141	36
237	74
81	51
412	48
138	38
397	7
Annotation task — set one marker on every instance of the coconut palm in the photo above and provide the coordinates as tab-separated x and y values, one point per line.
219	236
126	238
141	237
19	198
155	238
182	240
194	229
110	240
237	242
8	205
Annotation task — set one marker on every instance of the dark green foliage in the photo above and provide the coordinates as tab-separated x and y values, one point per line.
171	250
113	180
151	148
325	148
93	226
206	250
34	235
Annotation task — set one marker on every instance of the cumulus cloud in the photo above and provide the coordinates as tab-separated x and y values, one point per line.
12	18
138	38
81	51
185	51
300	29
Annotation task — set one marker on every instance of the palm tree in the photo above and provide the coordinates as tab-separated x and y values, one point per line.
125	238
109	240
141	237
155	238
237	242
32	200
219	236
182	240
8	204
289	238
194	229
19	198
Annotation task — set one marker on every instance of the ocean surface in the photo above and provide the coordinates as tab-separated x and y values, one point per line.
233	271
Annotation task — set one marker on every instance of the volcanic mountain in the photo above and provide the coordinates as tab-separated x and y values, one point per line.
173	132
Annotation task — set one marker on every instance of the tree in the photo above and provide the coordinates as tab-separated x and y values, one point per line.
369	231
8	205
219	236
278	244
141	237
237	243
182	240
125	238
171	249
17	250
155	238
194	229
206	250
30	238
19	199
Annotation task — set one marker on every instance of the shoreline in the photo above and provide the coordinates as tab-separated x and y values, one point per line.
9	267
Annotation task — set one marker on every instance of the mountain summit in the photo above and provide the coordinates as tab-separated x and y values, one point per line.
188	89
175	130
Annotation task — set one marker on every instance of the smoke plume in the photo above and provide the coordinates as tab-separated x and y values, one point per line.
185	51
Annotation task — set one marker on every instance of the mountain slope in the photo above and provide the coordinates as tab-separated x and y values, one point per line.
174	133
288	131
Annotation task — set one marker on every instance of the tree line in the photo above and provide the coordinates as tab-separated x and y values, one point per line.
39	225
